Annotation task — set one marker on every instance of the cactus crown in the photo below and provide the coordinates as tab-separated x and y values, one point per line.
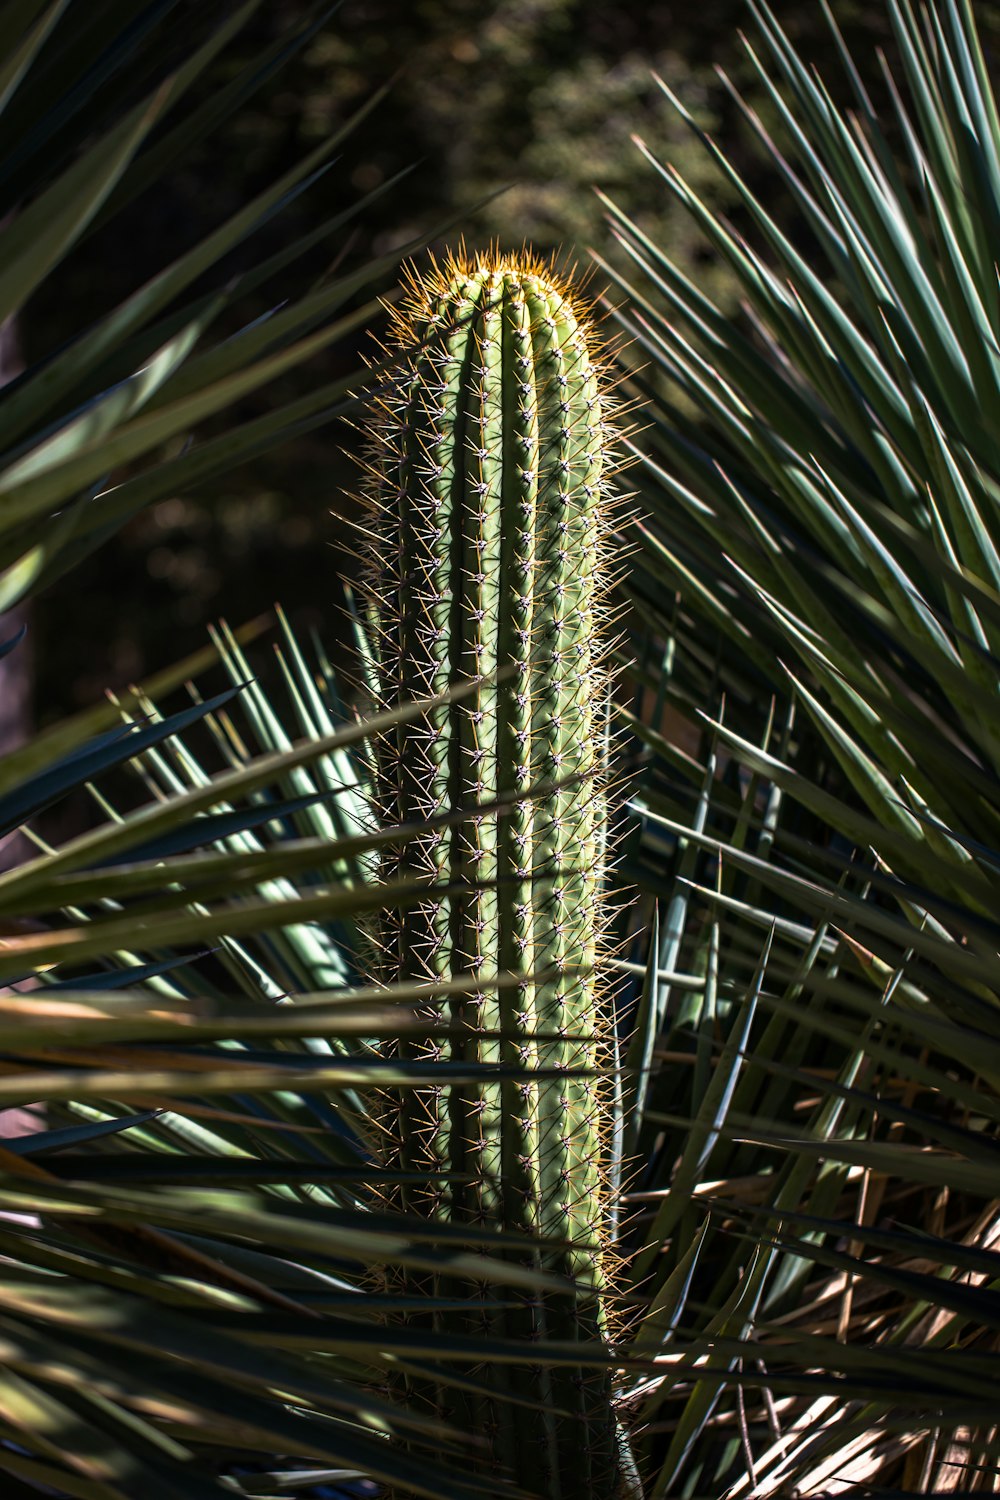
489	484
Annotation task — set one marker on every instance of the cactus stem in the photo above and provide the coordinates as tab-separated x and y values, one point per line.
490	523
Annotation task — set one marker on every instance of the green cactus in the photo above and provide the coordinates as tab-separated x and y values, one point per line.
490	488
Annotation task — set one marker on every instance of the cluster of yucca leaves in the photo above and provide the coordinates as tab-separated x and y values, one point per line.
811	1092
151	1323
819	575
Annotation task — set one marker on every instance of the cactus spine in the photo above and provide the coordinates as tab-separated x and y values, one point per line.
489	482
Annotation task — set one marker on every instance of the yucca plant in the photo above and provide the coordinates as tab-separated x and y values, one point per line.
816	604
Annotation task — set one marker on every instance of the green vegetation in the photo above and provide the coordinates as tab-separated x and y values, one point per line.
818	571
226	1265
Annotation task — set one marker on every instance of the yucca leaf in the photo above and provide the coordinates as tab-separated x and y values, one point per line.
107	751
38	239
18	59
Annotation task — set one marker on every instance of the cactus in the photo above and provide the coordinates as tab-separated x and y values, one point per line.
489	489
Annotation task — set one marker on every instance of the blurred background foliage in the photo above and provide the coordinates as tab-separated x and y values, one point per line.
507	113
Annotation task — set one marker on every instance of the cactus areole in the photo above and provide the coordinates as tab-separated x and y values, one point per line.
489	487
